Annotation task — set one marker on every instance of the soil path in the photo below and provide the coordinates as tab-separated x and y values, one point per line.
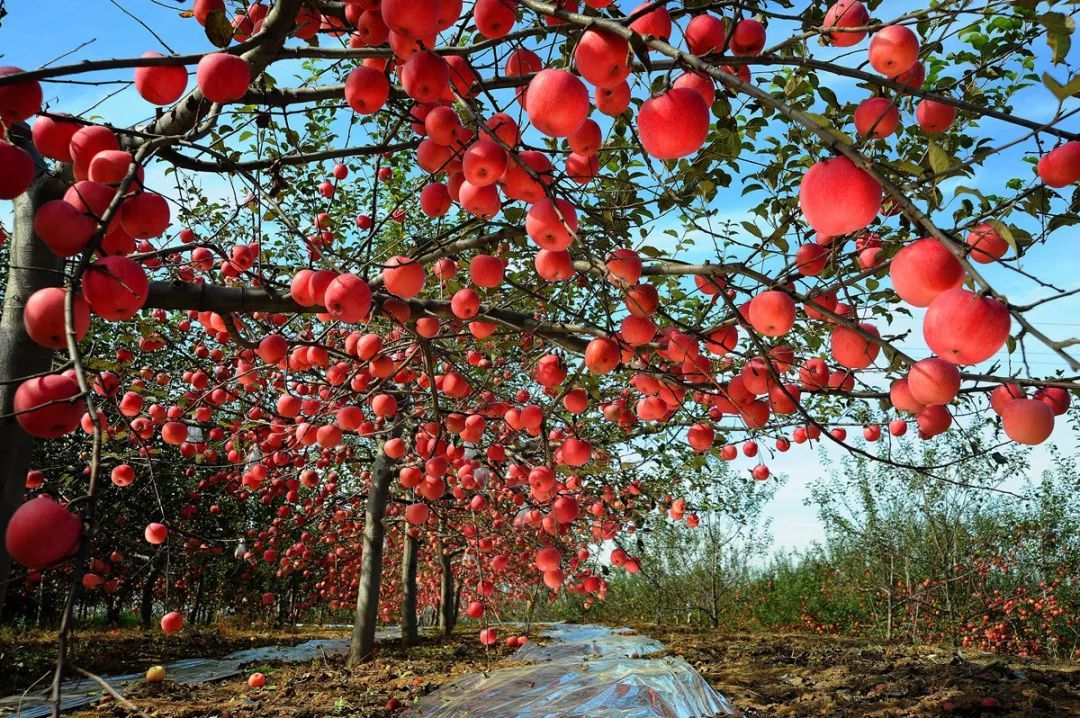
188	671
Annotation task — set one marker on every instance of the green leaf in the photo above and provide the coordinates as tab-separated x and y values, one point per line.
219	30
825	124
941	162
908	167
1059	30
1062	92
752	229
1004	231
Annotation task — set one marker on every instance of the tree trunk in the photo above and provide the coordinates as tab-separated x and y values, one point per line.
193	619
447	594
31	266
367	595
146	606
410	635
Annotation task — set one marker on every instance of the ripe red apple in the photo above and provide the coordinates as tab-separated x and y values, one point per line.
933	420
42	533
705	34
20	100
115	287
557	103
581	168
1003	394
933	381
602	57
846	13
43	317
411	18
923	270
223	77
1056	397
748	38
576	452
174	433
482	202
145	215
465	304
366	90
637	331
425	77
655	23
47	406
699	83
18	170
172	622
965	328
494	18
548	559
554	265
1061	166
810	259
934	116
484	163
551	225
404	277
417	514
348	298
986	244
876	117
673	124
435	200
602	355
894	49
853	350
587	139
772	313
623	267
112	166
63	228
486	270
837	197
701	437
123	475
84	146
52	136
613	101
202	9
161	85
1027	421
901	398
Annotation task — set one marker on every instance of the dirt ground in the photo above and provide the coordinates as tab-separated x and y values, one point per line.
393	679
774	675
792	675
29	656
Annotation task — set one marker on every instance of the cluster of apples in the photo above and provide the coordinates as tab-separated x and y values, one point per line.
480	163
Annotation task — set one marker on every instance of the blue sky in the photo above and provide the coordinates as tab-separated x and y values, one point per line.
114	34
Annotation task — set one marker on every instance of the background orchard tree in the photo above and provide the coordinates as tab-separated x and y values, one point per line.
903	559
465	294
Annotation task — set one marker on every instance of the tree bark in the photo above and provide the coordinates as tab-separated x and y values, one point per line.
146	605
367	598
31	266
447	594
410	635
